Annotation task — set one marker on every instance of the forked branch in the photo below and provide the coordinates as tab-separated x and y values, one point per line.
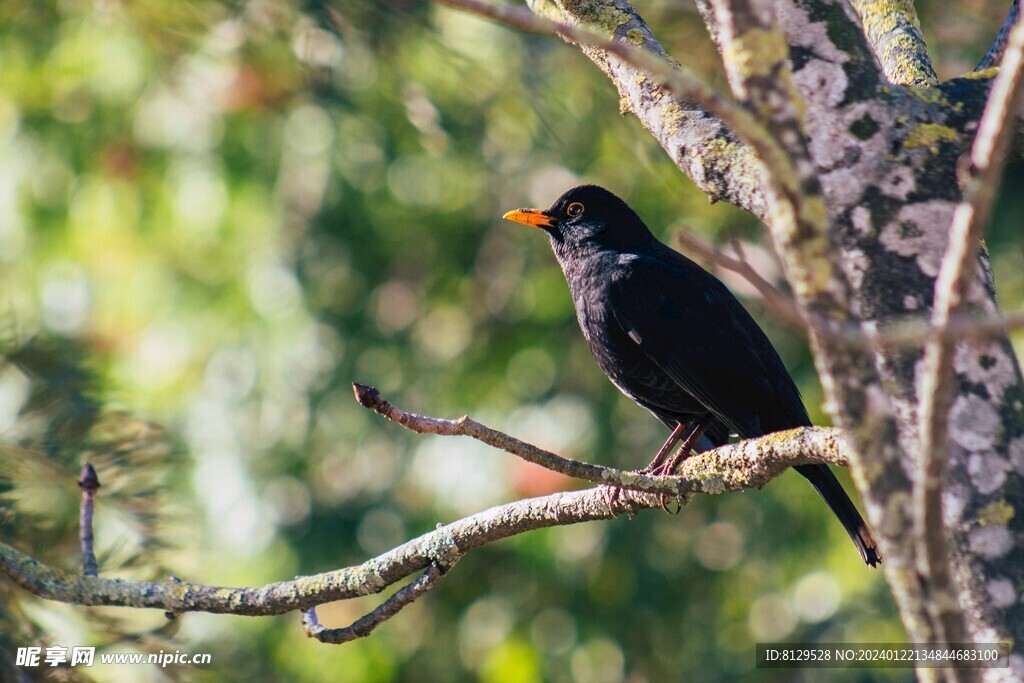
363	626
748	464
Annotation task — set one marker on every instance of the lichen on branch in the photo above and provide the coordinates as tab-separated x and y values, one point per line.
748	464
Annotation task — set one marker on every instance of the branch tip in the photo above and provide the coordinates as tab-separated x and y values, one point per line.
310	624
88	480
367	396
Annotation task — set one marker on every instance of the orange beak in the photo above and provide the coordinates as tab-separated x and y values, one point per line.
534	217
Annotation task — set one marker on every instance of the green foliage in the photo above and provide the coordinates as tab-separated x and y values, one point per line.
215	216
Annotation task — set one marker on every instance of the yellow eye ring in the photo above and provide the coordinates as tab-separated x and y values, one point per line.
574	209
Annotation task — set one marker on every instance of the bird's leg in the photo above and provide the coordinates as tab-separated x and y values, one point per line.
700	425
668	468
666	448
618	497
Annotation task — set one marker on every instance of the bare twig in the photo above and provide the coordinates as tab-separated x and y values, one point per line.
775	301
914	331
782	447
369	397
995	52
956	273
910	332
89	482
364	626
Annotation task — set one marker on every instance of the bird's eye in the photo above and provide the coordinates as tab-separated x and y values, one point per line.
574	209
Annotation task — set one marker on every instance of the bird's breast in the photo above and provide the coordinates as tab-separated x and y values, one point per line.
589	280
618	355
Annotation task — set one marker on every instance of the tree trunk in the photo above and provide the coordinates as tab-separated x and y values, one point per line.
882	139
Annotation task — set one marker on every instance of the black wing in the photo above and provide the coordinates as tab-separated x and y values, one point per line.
692	327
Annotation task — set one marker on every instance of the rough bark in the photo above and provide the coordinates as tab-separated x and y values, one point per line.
894	31
884	156
748	464
697	141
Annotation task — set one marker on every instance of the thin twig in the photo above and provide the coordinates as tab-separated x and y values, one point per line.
775	301
995	52
956	274
365	625
780	447
89	482
369	397
908	332
913	331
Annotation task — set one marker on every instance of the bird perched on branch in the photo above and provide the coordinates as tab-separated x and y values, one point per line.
670	336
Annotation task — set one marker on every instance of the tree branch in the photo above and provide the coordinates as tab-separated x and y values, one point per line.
89	483
956	275
775	301
748	464
995	51
662	93
370	398
894	33
911	332
783	447
364	626
914	331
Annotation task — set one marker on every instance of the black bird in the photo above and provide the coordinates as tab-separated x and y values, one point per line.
674	339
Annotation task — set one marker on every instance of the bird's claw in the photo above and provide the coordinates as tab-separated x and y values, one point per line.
620	500
666	501
665	470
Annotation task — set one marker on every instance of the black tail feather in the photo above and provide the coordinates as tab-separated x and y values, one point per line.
826	484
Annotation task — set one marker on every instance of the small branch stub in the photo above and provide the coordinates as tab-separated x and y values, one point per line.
89	482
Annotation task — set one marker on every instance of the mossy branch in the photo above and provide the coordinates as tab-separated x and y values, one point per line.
937	384
894	33
735	467
696	125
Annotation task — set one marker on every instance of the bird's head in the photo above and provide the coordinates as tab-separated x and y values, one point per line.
586	217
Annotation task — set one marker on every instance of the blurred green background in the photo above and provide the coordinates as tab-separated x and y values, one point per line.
214	216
